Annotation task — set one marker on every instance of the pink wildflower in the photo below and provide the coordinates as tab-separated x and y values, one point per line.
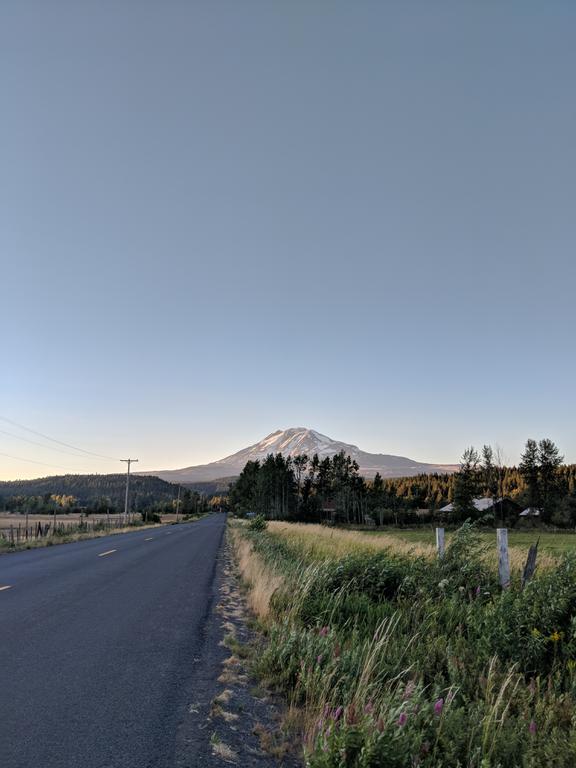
409	690
324	631
319	659
532	726
438	707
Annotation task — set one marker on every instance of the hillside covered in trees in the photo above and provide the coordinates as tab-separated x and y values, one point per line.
94	493
316	489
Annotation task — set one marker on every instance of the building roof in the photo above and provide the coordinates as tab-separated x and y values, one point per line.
482	505
530	512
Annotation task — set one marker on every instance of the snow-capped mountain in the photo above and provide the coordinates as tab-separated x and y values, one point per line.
297	441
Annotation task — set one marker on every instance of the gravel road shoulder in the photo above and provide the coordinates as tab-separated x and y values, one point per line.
230	719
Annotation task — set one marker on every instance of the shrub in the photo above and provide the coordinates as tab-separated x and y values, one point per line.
148	516
258	524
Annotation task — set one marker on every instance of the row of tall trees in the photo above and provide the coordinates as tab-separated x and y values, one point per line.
301	488
331	488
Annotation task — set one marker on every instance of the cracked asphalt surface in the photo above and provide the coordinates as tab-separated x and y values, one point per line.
104	648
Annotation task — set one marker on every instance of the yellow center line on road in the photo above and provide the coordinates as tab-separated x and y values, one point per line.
8	586
109	552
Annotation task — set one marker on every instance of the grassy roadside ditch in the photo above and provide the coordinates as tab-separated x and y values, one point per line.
391	658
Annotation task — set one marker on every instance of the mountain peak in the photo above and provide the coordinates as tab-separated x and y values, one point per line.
292	442
298	441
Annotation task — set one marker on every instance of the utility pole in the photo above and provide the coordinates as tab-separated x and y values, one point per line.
178	503
128	462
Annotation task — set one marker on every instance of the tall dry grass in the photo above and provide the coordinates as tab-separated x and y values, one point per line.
319	542
260	580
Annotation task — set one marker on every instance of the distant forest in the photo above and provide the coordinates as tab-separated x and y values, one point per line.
315	489
95	494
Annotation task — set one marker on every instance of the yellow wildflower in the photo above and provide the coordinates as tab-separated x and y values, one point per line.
555	636
536	632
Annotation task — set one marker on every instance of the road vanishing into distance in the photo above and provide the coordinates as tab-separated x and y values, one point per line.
98	644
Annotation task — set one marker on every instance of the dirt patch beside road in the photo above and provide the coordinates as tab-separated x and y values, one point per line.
232	720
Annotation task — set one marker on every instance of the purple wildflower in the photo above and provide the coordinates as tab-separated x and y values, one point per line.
478	591
532	726
324	631
438	707
402	719
319	659
337	713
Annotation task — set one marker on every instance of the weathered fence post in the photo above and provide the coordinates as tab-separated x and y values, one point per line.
503	560
530	566
440	542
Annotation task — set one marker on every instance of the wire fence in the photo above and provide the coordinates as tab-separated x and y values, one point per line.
20	533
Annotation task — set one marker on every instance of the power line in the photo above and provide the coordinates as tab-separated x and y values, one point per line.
35	442
59	442
32	461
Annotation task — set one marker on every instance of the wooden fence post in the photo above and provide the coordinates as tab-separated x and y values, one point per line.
440	542
503	560
530	566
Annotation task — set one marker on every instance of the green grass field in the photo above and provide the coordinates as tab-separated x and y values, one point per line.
554	543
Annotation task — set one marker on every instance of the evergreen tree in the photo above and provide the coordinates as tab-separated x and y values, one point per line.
550	460
466	485
244	492
300	463
529	469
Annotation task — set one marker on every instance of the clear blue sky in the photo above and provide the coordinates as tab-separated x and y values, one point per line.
222	218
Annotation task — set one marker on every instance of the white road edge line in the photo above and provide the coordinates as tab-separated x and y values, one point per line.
109	552
9	586
149	538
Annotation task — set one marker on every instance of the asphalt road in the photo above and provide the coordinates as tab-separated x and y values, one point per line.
98	643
